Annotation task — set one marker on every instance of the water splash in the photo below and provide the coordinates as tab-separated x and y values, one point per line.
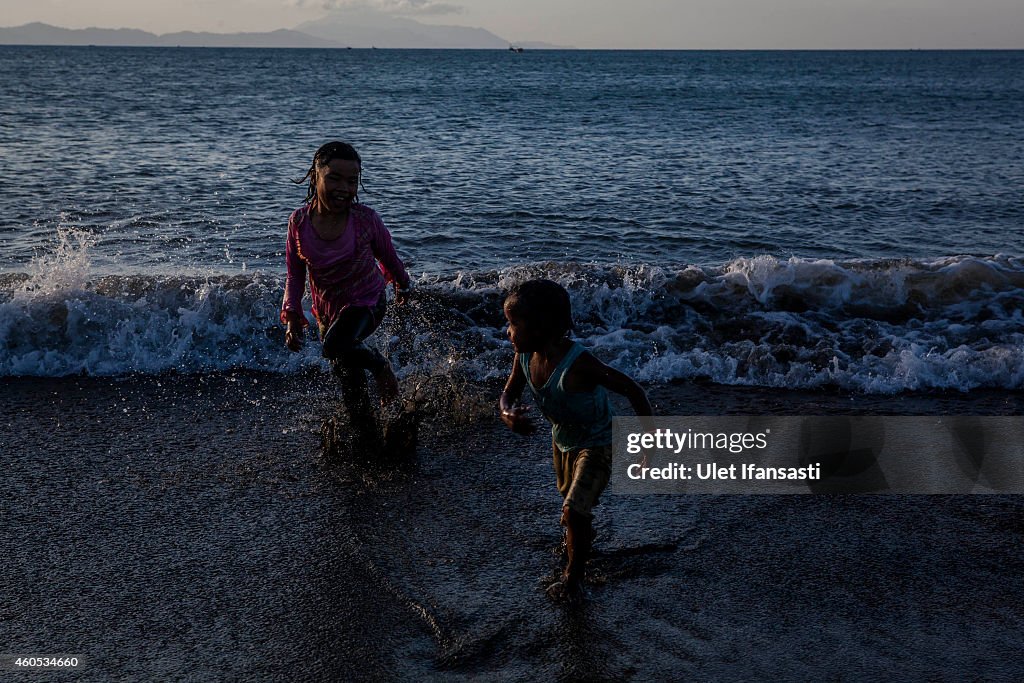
64	269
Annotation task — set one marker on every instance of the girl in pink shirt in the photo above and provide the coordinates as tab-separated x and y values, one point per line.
346	251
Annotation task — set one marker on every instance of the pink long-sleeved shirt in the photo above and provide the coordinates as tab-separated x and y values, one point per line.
344	271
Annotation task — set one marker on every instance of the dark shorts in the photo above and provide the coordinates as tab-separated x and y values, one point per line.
343	338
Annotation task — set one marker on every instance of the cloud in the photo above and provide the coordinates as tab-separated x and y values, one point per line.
400	7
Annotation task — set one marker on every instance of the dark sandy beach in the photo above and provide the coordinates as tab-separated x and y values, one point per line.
188	528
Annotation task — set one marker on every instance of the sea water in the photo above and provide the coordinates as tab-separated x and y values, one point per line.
783	219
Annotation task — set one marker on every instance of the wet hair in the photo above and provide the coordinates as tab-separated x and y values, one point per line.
543	304
325	155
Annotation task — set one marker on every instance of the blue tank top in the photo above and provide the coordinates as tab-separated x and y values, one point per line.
578	419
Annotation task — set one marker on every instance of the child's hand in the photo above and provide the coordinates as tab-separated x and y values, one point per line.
293	337
518	421
402	294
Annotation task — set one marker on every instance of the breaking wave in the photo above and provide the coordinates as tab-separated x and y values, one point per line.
874	326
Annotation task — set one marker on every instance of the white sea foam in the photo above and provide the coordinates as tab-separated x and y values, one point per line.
61	321
872	326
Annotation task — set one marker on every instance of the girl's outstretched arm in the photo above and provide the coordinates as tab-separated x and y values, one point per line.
513	415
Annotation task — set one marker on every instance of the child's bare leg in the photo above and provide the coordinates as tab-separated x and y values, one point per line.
579	538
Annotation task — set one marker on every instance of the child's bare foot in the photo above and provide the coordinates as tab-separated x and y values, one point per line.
566	590
387	385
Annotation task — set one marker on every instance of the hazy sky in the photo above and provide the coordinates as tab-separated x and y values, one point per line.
679	24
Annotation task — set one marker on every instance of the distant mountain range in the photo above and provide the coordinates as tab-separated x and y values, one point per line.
359	28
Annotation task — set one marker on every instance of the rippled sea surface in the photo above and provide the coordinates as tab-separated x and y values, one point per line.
183	158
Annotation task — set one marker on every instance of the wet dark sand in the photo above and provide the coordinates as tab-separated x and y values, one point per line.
188	528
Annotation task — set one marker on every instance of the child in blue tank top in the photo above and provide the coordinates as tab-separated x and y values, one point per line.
570	387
